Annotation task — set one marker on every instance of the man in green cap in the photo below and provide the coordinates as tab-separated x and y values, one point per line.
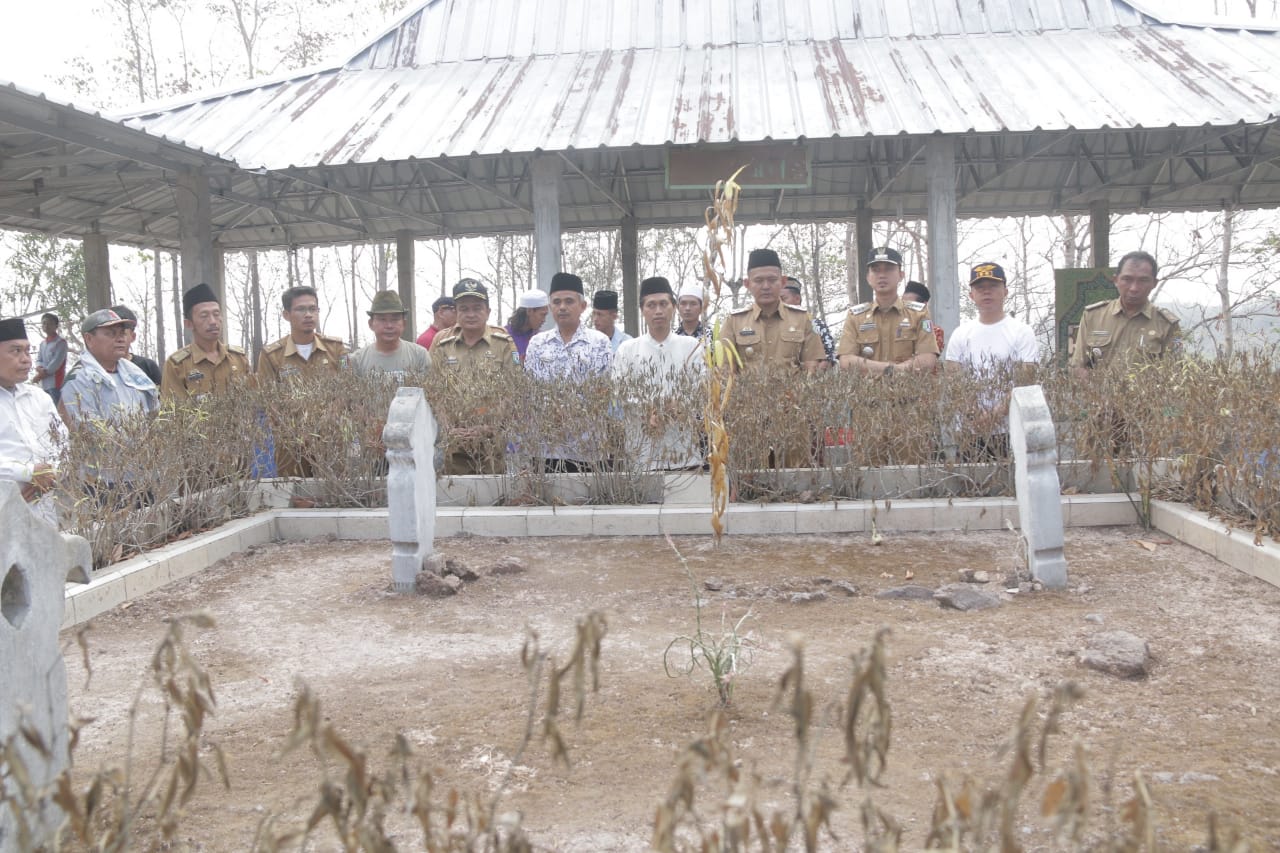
206	366
389	354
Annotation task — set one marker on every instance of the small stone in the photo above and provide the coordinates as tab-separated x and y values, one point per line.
1191	777
1025	586
981	577
713	584
910	592
434	586
508	565
845	587
1095	618
453	582
963	597
1084	589
1036	586
435	563
1117	653
461	571
808	597
966	575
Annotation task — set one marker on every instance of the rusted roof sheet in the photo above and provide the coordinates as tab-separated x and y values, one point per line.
445	83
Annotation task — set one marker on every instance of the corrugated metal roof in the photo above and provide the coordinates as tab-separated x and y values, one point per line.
433	87
431	128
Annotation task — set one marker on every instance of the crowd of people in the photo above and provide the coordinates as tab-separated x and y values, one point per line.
891	333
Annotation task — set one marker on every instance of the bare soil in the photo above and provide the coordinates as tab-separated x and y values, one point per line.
1202	728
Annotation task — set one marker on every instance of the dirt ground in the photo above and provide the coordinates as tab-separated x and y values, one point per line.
1202	728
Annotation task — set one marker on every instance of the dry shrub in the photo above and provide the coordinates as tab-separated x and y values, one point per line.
1188	430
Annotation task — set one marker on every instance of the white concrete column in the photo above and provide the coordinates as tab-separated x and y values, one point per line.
546	217
195	231
862	229
944	273
628	245
405	280
1100	232
97	271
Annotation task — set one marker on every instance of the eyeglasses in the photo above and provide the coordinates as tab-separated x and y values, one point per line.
305	309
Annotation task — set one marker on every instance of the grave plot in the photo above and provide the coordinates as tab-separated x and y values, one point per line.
1192	710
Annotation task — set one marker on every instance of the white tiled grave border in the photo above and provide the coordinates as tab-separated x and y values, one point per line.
135	577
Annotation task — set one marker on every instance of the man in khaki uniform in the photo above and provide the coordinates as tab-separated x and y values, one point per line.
769	331
887	333
206	366
1128	329
302	353
470	350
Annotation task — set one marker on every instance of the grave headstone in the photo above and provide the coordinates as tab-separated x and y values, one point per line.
36	562
1034	442
410	437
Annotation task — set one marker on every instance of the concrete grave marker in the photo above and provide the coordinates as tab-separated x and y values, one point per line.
36	561
1035	454
410	438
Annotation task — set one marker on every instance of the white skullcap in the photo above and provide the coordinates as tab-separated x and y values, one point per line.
532	299
694	290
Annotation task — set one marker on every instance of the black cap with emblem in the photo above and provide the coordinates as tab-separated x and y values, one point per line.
884	255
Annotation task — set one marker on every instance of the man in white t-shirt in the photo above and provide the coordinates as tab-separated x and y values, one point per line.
1000	351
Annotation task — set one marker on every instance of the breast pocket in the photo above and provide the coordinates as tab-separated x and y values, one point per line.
790	344
1097	345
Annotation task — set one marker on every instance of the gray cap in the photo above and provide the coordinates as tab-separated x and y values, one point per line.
102	318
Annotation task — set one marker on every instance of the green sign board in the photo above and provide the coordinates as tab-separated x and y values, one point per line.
1074	289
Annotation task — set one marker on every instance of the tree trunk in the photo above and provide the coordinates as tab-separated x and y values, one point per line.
158	269
255	301
176	275
1224	292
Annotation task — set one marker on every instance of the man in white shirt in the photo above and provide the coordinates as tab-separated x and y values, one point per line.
1000	351
569	352
655	374
31	433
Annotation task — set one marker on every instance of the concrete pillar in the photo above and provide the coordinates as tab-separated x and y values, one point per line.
944	275
195	231
628	246
546	217
862	228
405	280
1100	232
97	271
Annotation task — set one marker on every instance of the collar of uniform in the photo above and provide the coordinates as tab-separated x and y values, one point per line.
896	306
757	312
1146	311
215	357
455	333
290	347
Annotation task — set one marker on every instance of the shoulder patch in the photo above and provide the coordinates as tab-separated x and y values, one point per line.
236	350
745	310
500	334
442	338
1096	305
180	356
1171	317
276	345
859	308
331	340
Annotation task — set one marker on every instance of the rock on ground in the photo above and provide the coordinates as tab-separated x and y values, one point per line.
910	592
508	565
1117	653
964	597
433	585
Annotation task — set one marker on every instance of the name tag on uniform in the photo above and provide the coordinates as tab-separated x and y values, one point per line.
747	332
287	372
195	376
451	360
905	323
866	327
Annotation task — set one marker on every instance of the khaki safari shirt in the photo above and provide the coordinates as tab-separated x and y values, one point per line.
281	360
191	374
1106	336
496	350
895	334
783	336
